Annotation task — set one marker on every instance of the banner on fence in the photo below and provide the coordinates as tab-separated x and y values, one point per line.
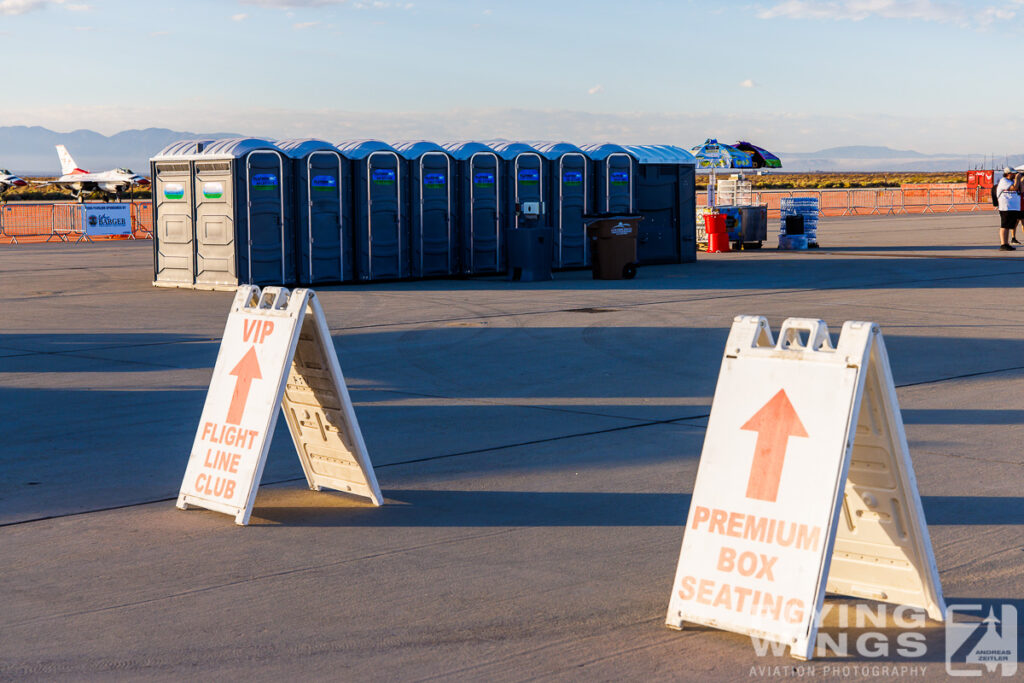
106	219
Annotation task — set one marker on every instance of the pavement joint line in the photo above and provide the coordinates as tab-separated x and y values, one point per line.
500	403
968	457
638	304
262	577
478	451
115	347
626	305
975	560
413	461
967	375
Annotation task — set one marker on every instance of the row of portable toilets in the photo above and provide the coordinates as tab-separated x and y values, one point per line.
228	212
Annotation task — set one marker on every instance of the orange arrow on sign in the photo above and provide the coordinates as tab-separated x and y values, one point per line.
774	424
246	371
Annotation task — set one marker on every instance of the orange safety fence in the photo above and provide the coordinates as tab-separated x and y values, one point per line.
881	201
22	222
62	222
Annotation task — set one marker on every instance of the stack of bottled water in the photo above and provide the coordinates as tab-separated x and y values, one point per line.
807	207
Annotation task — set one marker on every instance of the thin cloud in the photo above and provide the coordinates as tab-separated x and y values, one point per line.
290	4
303	25
241	16
596	89
938	11
12	8
748	84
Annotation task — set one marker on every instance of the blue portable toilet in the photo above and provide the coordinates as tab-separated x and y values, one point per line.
481	233
380	228
524	190
235	195
614	172
323	216
656	182
568	199
431	208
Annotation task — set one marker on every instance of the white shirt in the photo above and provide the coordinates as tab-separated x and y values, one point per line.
1009	200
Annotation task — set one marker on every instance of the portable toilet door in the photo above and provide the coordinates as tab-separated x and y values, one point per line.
568	202
326	244
431	209
269	257
381	237
618	183
173	214
216	239
322	213
614	171
573	190
525	190
480	219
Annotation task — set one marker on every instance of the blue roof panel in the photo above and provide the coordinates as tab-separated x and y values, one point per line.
510	150
298	148
360	149
414	149
465	149
644	154
235	148
554	150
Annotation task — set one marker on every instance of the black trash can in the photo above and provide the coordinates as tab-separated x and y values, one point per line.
612	239
529	254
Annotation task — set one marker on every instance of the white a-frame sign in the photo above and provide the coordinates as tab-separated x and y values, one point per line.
805	485
276	351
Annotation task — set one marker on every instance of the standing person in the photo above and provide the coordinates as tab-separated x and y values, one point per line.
1008	196
1018	186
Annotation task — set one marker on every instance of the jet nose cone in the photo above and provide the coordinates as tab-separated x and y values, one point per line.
20	183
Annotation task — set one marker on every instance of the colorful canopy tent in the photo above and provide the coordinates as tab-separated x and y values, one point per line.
762	157
714	154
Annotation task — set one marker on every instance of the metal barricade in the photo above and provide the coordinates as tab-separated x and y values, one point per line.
880	201
142	220
49	222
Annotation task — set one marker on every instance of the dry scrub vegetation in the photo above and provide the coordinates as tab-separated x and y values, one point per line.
825	181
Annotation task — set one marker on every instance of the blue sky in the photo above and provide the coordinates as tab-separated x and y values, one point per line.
794	75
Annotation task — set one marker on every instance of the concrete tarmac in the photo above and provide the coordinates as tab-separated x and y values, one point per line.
536	443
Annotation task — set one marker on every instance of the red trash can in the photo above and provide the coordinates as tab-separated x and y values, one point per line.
717	232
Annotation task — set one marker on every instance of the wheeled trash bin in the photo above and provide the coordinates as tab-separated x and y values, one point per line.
612	239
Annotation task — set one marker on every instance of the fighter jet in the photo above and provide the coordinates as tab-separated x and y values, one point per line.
81	182
9	180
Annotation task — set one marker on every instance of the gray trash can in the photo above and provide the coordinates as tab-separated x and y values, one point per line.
612	240
529	254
